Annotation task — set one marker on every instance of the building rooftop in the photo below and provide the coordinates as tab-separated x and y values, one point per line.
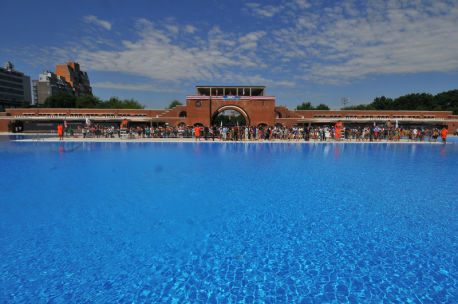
231	86
212	90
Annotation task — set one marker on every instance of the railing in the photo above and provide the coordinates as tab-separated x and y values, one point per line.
372	119
71	118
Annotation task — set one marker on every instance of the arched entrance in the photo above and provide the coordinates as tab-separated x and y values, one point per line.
230	115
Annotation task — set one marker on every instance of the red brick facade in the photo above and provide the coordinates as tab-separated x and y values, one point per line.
77	79
257	110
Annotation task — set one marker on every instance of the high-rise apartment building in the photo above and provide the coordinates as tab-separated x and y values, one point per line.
14	87
78	79
49	84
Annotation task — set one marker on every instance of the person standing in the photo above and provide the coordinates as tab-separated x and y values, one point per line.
444	135
197	132
206	132
60	132
224	133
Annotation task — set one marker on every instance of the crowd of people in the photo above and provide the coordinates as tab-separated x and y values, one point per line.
241	133
321	133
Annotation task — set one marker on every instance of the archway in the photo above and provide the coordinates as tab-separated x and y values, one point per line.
230	115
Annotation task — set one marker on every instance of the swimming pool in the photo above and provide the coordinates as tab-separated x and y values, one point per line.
224	223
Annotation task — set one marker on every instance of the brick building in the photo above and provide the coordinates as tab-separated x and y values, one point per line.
77	79
209	101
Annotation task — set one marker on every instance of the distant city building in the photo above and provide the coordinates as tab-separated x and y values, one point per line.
49	84
77	79
14	87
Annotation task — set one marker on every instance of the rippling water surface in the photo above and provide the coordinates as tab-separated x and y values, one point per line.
228	223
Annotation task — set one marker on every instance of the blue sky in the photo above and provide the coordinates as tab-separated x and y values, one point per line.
302	50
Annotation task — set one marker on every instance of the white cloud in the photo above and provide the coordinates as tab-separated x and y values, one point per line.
337	44
159	56
94	20
172	28
263	10
132	87
190	29
283	83
397	37
302	3
250	40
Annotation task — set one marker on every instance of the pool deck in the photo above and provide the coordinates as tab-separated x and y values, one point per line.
193	140
46	137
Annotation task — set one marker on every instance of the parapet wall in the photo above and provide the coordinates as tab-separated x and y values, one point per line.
260	110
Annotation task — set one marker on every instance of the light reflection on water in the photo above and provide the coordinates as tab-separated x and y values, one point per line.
206	222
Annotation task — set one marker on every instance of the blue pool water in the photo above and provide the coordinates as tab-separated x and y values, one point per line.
228	223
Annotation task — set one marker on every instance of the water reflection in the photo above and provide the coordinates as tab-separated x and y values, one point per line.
337	152
252	150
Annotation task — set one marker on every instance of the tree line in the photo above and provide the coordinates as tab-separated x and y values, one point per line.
65	100
445	101
309	106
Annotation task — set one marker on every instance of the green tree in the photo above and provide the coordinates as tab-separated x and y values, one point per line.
358	107
305	106
322	106
116	103
88	102
60	100
382	103
447	101
308	106
65	100
174	104
413	102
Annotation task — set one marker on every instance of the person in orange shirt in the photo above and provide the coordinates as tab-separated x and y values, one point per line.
197	131
60	132
444	135
338	127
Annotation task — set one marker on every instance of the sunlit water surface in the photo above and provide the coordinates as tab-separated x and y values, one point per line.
228	223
